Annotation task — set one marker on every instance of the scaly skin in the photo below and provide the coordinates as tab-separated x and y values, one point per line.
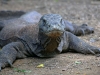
50	37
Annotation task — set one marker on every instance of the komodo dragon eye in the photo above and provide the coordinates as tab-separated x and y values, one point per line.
44	22
61	20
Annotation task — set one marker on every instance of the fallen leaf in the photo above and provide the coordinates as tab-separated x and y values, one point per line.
77	62
40	66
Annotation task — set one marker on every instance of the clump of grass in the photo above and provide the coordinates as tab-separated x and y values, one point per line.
22	70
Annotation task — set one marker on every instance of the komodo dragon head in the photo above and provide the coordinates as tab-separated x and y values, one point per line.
51	25
51	28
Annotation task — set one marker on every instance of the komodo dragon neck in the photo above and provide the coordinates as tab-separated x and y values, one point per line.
49	44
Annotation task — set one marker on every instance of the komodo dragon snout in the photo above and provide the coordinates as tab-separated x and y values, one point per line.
51	25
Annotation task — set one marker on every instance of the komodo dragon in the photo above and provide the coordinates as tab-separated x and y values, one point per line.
32	35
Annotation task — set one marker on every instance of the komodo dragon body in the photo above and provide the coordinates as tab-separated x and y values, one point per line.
32	35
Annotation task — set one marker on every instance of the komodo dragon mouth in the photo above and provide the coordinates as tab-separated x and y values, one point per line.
54	34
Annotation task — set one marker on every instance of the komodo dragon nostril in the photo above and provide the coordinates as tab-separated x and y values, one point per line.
49	26
92	31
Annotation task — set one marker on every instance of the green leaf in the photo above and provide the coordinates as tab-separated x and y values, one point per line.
77	62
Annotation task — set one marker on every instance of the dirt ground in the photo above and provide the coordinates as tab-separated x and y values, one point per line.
75	11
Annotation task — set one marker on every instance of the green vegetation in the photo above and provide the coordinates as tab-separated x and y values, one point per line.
22	70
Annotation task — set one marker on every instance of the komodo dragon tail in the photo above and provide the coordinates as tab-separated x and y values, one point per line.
9	13
5	15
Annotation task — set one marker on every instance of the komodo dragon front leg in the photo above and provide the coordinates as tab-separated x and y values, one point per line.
78	30
78	45
10	53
